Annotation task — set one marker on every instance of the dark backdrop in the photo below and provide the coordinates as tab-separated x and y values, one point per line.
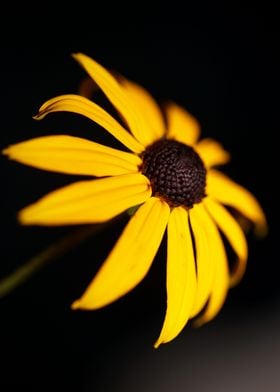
222	64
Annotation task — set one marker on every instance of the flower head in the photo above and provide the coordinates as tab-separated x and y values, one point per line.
168	174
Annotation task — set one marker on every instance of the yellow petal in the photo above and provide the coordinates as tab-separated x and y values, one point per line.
89	201
234	234
205	265
73	155
131	257
81	105
221	273
148	107
212	152
223	189
181	279
118	96
181	125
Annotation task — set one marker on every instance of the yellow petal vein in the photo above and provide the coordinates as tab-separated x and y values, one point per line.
131	257
181	279
117	95
73	155
81	105
234	234
221	273
90	201
204	263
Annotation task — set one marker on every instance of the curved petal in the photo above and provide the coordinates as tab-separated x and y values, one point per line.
204	263
89	201
212	152
234	234
181	278
223	189
181	125
221	273
131	257
81	105
118	96
150	111
73	155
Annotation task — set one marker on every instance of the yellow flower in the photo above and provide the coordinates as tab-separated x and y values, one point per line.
169	174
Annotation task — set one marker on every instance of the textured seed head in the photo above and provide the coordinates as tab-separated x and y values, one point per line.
176	172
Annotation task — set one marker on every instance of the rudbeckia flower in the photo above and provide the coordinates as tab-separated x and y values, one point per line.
169	175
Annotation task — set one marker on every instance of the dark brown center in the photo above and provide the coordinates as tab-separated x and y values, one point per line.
176	172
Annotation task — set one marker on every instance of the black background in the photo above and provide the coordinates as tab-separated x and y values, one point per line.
222	65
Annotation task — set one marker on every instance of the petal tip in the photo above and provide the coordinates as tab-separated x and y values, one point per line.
75	305
199	322
23	216
157	343
6	151
82	304
41	114
76	56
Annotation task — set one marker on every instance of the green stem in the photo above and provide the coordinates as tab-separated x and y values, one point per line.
51	253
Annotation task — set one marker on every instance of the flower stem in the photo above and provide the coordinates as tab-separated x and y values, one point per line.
51	253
